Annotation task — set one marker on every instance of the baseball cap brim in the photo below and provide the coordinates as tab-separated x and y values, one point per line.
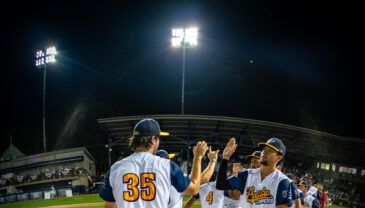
162	133
263	144
303	184
249	157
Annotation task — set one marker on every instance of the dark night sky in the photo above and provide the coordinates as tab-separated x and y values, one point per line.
115	60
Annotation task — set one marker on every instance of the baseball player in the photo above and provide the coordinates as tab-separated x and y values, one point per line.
208	194
145	180
254	159
233	198
301	195
176	198
309	200
236	168
263	187
294	190
313	190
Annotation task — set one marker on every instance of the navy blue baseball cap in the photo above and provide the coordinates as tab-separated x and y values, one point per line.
303	183
307	175
291	176
304	179
164	154
148	127
256	154
275	144
281	162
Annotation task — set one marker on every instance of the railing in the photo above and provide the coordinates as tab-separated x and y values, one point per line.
41	194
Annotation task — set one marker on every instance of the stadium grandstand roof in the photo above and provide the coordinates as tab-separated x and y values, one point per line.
185	130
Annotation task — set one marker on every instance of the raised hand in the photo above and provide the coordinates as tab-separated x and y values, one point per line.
201	149
212	155
230	149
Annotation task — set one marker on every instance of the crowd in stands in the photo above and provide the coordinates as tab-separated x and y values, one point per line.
338	192
44	174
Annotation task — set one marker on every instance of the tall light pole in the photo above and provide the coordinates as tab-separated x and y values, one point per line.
42	58
185	37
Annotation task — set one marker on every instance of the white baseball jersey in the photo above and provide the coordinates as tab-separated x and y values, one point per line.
270	192
313	191
210	197
176	199
230	203
311	202
143	180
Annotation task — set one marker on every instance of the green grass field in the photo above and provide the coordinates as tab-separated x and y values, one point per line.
52	202
81	199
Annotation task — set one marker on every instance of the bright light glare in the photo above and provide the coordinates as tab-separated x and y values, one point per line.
189	34
178	32
51	51
45	58
39	54
177	37
176	42
50	59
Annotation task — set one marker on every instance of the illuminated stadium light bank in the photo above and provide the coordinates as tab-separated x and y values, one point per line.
184	37
42	59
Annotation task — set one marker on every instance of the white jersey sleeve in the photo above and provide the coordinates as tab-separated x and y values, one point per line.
176	199
311	201
313	191
230	203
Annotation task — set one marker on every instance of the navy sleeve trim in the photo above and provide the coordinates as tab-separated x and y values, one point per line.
178	180
239	182
294	191
301	196
226	193
284	193
106	191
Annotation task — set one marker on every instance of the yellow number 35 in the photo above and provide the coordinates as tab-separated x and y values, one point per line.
148	187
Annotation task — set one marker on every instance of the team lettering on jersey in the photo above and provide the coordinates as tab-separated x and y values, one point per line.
259	197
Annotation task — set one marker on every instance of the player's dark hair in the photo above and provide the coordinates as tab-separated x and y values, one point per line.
140	142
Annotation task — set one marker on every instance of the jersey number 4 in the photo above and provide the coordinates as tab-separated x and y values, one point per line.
148	187
209	198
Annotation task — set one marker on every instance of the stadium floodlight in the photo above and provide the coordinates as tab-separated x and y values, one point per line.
185	37
42	58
